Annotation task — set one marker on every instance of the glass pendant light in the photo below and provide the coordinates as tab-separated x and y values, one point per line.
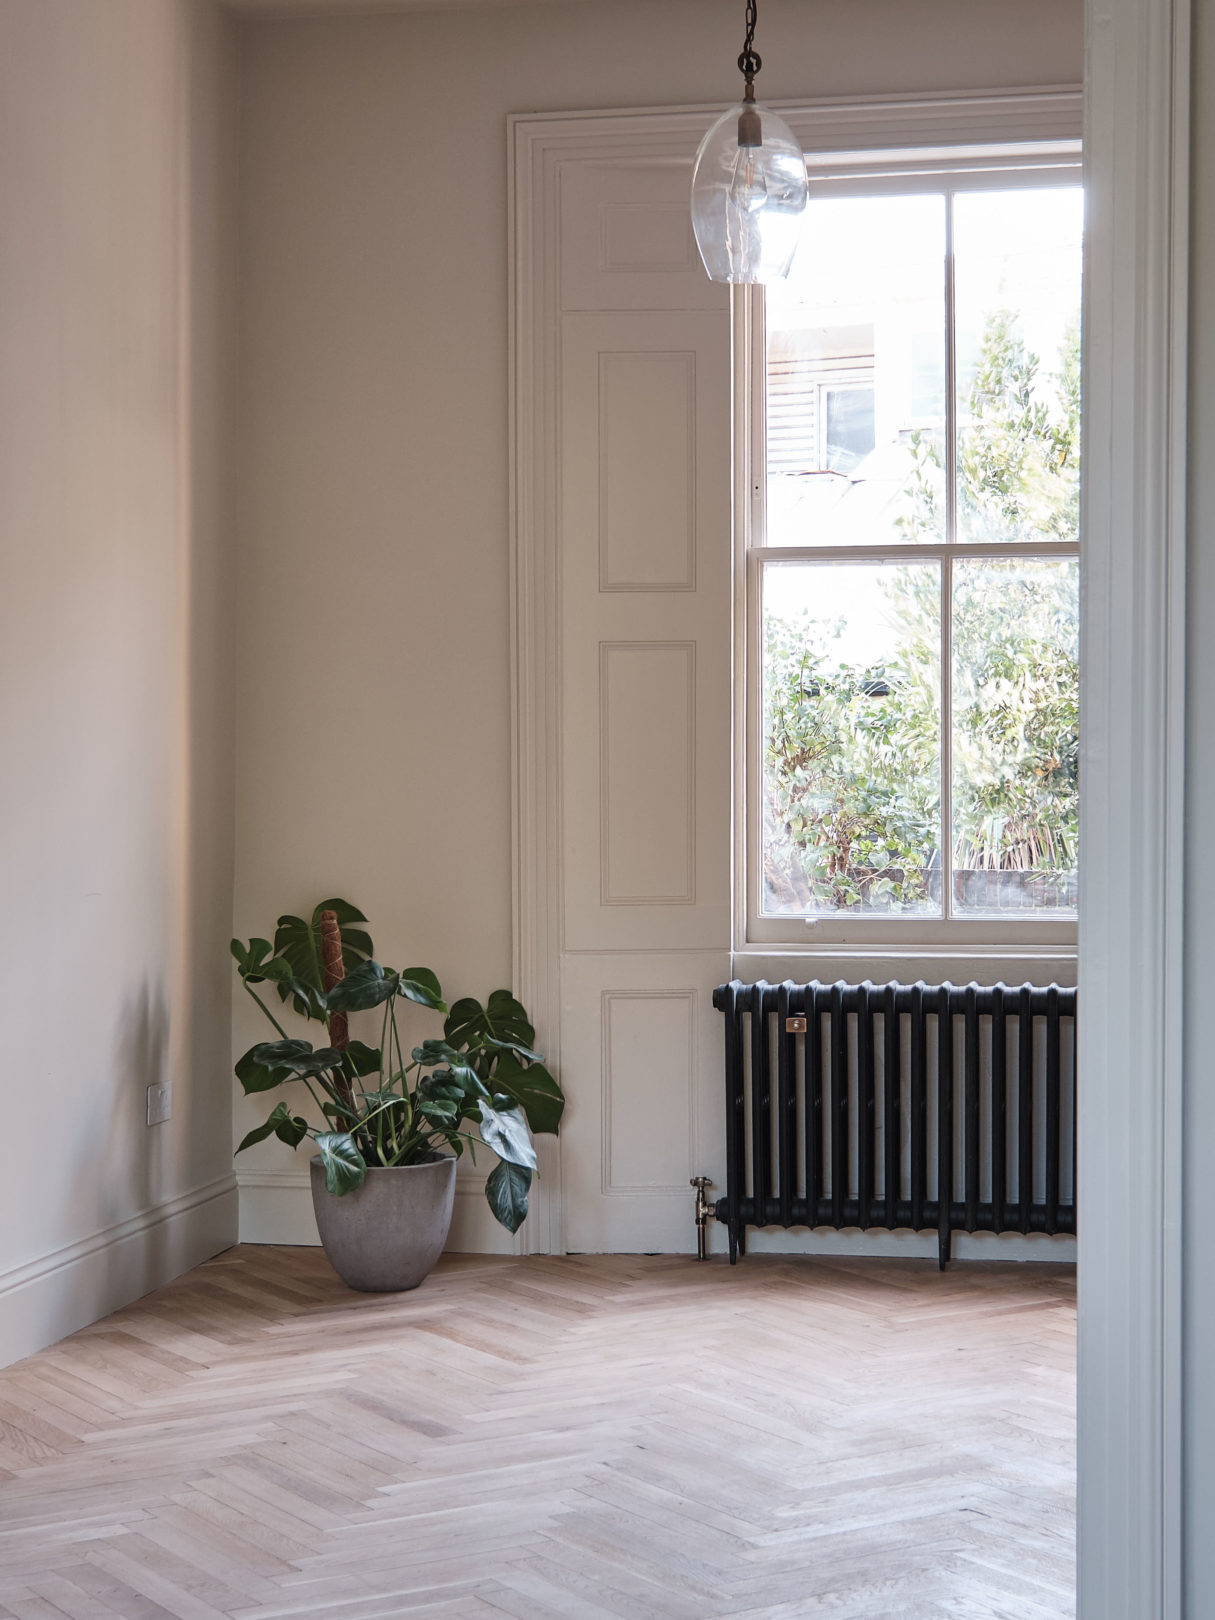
748	186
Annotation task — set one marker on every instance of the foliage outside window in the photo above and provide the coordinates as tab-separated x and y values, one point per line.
918	610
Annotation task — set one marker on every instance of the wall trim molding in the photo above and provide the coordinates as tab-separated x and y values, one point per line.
301	1177
44	1299
1133	764
276	1207
538	148
1028	113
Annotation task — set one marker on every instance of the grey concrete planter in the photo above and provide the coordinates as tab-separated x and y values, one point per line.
386	1235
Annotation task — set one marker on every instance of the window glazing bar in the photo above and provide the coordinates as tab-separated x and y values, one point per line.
951	535
916	551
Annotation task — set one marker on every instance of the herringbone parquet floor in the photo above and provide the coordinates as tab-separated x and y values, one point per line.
608	1438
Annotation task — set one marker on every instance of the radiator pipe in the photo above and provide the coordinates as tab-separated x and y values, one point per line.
704	1210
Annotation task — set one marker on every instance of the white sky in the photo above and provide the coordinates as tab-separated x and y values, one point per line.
832	591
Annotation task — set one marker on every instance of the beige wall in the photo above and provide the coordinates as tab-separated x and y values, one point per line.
374	725
114	698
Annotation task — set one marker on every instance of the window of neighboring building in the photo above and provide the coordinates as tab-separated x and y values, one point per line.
913	402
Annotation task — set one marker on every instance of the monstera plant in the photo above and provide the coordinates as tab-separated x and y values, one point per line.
481	1084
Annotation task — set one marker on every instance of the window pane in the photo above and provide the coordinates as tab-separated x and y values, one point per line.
1017	294
1015	735
856	376
851	783
850	429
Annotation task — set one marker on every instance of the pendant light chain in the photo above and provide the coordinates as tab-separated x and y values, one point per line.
750	61
748	185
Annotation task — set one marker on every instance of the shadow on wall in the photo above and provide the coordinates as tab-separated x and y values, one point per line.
130	1160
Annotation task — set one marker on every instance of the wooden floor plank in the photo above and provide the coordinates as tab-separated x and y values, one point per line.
587	1438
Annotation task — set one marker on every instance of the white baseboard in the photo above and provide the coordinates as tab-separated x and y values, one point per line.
276	1207
47	1298
905	1245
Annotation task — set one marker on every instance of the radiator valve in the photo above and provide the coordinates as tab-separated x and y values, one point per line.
704	1213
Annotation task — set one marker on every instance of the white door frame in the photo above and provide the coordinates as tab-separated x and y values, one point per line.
1133	768
1136	136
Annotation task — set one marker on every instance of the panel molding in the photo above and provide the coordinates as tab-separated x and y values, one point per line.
654	267
686	896
609	1187
607	359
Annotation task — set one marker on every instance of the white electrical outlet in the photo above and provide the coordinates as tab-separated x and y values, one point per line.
160	1103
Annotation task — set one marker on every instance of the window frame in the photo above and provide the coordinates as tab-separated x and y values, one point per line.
848	382
873	173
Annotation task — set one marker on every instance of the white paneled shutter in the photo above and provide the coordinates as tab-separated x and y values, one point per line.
644	549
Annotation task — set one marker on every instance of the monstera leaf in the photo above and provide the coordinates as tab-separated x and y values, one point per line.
498	1038
440	1056
364	986
342	1162
264	1066
534	1089
362	1059
297	942
256	964
419	984
501	1024
506	1189
370	985
288	1127
505	1130
270	1063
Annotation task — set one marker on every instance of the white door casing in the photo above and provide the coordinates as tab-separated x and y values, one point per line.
1133	522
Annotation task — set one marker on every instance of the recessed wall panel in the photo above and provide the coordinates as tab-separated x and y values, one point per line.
626	239
647	730
647	236
648	1064
647	471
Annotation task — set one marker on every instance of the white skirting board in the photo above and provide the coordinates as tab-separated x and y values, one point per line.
276	1207
47	1298
884	1245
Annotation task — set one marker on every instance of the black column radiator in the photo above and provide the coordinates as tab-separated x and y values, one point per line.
931	1107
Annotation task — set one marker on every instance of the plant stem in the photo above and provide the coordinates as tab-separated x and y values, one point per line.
265	1009
394	1035
312	1093
420	1137
365	1122
385	1055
